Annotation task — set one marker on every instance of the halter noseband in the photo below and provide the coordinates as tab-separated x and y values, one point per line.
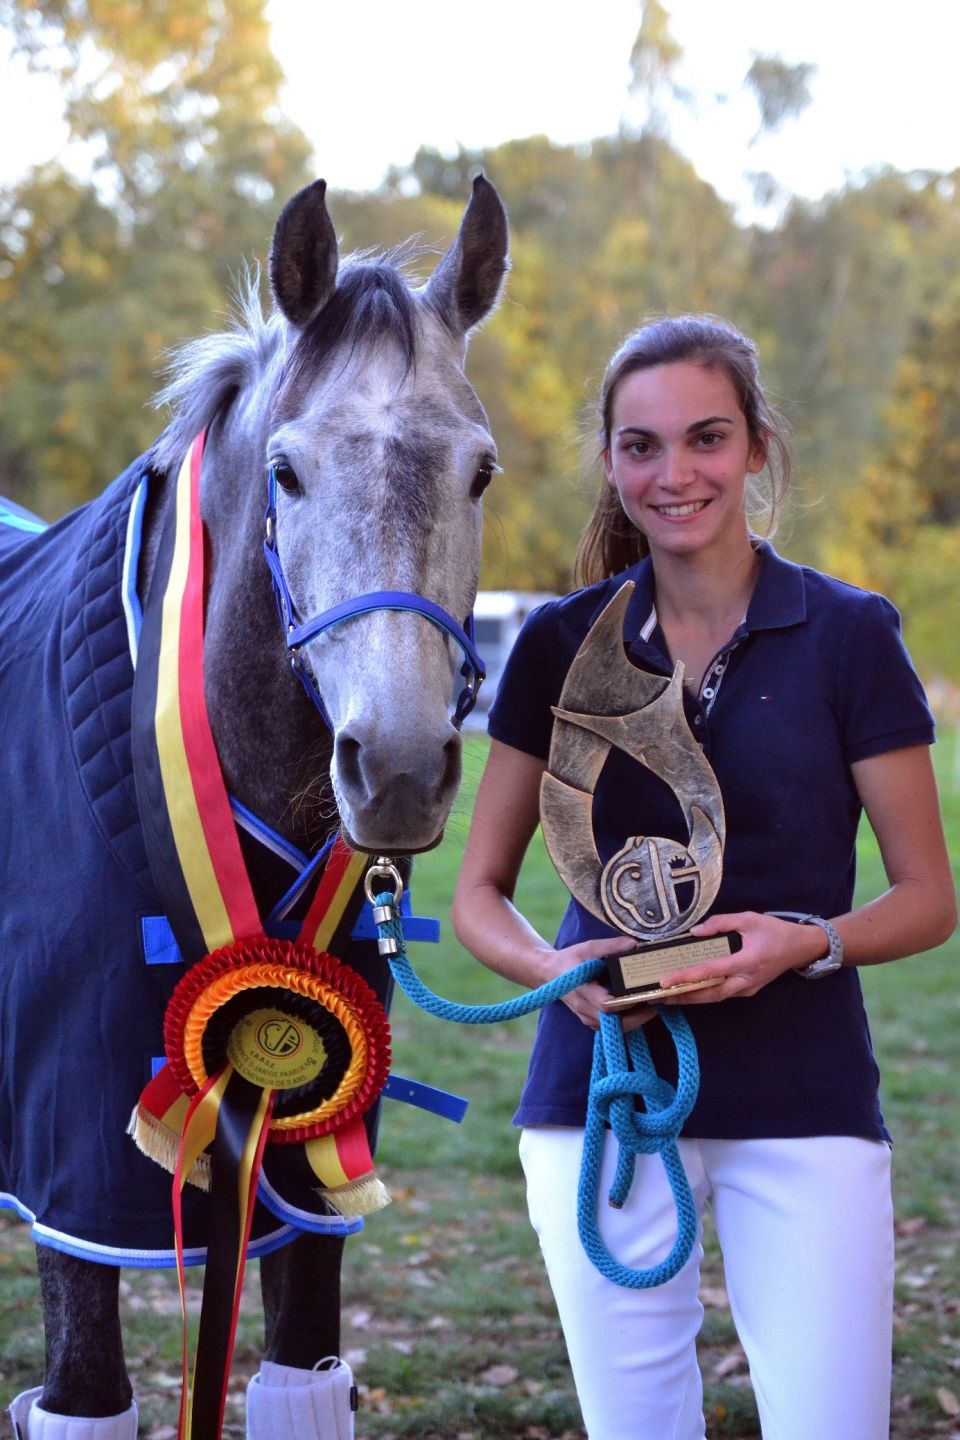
299	633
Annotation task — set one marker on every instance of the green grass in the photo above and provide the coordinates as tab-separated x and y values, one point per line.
449	1322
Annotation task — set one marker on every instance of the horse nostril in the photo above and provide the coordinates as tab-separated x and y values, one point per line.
450	776
349	767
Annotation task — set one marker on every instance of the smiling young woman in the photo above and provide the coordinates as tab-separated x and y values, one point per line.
806	703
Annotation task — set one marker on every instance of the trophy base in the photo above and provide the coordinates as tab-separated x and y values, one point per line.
646	997
635	978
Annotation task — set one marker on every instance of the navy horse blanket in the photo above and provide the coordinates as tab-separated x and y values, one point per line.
87	961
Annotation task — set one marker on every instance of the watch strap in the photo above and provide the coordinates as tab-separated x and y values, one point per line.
826	964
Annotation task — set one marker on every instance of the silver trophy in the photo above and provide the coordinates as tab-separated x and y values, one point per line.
653	888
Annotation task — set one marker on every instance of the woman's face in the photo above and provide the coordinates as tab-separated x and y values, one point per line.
678	456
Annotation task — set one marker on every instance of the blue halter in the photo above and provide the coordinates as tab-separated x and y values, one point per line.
299	633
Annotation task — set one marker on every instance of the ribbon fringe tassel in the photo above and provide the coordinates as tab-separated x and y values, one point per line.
362	1196
158	1142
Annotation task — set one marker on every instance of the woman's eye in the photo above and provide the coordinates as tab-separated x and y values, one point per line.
286	477
711	438
482	478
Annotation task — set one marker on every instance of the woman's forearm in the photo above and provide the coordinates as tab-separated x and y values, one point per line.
491	927
912	916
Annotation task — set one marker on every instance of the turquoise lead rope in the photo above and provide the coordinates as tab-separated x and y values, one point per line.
622	1070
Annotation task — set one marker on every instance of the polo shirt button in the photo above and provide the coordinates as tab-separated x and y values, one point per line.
698	719
708	693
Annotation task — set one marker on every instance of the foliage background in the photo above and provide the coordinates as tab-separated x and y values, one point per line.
854	299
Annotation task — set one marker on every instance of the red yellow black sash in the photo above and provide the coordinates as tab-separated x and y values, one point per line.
275	1049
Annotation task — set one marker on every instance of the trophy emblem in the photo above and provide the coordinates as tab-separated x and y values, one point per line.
654	889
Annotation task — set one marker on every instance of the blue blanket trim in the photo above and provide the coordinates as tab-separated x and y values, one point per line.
142	1259
332	1224
129	597
20	519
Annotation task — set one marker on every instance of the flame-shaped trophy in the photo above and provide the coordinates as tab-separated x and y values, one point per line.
652	889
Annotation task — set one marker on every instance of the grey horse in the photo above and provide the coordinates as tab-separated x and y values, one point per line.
352	393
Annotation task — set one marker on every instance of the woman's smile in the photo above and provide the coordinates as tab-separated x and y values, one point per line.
676	512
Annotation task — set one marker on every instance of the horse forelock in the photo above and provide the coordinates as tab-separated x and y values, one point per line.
372	305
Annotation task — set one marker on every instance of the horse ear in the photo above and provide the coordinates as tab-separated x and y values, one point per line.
303	256
466	284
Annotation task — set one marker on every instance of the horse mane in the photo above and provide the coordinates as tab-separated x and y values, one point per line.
204	375
373	301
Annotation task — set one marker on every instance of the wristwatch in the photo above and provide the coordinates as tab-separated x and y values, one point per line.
827	964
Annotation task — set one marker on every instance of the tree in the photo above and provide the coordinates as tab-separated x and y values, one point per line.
176	107
653	63
782	91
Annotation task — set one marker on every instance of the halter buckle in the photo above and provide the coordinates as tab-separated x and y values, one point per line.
383	867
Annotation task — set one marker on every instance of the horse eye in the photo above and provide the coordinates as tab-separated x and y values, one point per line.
482	479
286	477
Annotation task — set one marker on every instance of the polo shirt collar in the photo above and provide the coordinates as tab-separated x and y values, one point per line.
779	596
778	599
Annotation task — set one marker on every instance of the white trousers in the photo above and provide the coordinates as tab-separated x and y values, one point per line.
806	1230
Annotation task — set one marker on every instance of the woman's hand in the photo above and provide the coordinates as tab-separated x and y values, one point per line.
770	948
587	1000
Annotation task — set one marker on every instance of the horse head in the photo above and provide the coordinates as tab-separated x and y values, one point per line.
357	404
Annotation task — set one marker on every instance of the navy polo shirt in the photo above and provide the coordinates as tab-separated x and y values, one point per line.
816	678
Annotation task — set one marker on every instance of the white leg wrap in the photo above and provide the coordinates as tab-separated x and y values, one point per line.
30	1422
316	1404
19	1411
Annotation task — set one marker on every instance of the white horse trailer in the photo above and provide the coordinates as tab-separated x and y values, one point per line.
498	616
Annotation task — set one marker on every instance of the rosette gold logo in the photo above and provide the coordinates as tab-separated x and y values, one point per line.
279	1037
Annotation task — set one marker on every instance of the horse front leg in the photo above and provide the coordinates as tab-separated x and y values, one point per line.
86	1376
300	1284
301	1305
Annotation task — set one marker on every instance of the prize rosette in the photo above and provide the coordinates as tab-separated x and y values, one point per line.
287	1019
277	1016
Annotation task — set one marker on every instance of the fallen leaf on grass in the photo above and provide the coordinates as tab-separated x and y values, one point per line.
500	1375
736	1360
163	1382
949	1403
